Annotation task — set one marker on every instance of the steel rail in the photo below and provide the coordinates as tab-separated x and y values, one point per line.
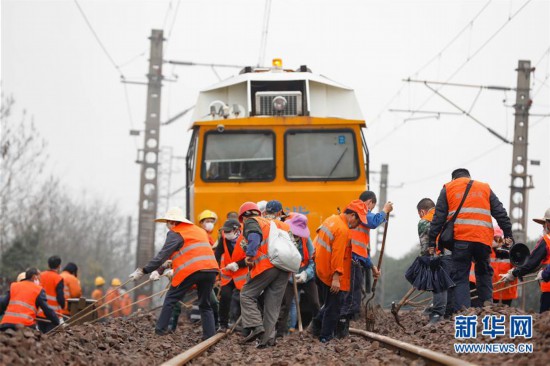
411	350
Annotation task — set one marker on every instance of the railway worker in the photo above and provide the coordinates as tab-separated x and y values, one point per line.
54	286
539	255
360	261
438	309
473	233
232	215
22	301
193	263
207	220
333	266
305	278
274	211
97	294
72	289
230	256
500	261
263	277
114	298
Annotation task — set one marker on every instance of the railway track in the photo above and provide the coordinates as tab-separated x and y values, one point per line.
401	348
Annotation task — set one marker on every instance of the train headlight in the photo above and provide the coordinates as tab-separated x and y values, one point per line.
279	103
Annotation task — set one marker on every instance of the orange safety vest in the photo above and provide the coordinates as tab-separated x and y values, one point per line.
49	280
360	238
71	289
502	266
545	286
305	254
429	216
22	306
238	277
196	254
126	310
112	294
261	260
333	238
96	295
473	222
472	276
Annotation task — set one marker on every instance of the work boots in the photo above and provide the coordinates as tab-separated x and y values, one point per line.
342	328
315	327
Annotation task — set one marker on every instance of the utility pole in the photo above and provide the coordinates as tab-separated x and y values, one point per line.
521	181
148	193
382	199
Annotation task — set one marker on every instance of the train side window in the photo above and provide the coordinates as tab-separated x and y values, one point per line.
239	156
191	158
321	155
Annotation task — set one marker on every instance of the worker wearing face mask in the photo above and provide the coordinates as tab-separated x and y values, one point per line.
207	220
22	302
230	256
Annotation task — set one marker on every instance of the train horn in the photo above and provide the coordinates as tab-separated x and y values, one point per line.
519	254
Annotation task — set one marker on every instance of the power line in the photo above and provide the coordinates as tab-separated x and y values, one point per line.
169	37
265	31
98	39
446	171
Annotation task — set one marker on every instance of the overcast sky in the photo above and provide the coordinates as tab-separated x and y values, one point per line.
55	68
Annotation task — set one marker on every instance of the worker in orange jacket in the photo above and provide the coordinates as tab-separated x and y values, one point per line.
360	261
193	264
114	298
22	301
473	233
263	275
98	295
500	261
72	288
54	286
333	266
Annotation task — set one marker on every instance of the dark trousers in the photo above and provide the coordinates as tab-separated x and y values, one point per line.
228	304
464	253
503	302
310	291
205	283
544	302
44	327
329	314
352	299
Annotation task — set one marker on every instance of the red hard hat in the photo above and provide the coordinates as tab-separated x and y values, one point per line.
248	206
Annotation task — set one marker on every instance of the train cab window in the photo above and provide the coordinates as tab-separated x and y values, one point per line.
241	156
321	155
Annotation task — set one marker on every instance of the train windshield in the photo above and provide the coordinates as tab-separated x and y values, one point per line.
321	155
241	156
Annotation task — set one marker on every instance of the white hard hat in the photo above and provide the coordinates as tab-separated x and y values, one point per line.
262	205
173	214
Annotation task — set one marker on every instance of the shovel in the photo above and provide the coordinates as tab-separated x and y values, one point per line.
295	285
395	308
369	310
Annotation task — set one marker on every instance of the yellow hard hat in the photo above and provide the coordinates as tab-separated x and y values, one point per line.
116	282
207	214
99	281
21	276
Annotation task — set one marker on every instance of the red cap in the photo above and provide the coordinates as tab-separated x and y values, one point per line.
360	208
248	206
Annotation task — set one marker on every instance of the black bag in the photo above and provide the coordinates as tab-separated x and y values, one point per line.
446	238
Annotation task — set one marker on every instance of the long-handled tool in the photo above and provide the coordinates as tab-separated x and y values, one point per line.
234	326
162	292
297	300
507	287
369	311
82	313
395	308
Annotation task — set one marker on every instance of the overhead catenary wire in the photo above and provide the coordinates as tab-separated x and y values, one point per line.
431	60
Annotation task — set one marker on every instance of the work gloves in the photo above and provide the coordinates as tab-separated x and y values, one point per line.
508	277
169	273
137	274
301	277
539	275
155	276
233	267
